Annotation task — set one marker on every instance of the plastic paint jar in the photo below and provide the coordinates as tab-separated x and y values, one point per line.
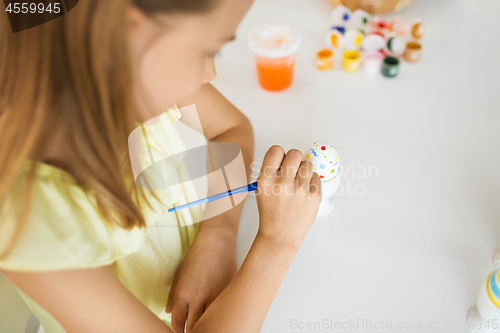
274	47
418	29
390	67
351	61
372	62
324	59
413	52
395	45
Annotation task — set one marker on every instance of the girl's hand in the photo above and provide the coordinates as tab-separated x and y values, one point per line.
207	268
288	196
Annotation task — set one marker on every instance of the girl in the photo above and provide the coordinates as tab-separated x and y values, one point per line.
76	235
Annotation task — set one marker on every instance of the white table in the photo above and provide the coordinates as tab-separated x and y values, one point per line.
416	245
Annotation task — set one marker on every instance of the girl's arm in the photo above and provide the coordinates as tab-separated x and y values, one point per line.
94	300
223	122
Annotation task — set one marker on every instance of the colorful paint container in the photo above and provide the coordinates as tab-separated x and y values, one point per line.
418	29
395	45
274	47
413	52
360	20
341	15
399	26
379	23
372	62
353	39
374	41
335	37
390	67
351	61
324	59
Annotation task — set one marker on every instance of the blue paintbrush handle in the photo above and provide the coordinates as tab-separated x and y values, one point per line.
242	189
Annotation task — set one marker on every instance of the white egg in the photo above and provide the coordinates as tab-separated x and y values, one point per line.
324	158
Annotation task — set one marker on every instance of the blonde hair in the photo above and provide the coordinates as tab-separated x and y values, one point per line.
72	77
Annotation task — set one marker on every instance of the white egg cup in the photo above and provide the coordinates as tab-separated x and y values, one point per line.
328	189
485	316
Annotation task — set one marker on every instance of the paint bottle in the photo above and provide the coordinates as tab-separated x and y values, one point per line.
353	39
335	37
324	59
390	67
351	61
274	47
395	45
399	26
418	29
372	62
413	52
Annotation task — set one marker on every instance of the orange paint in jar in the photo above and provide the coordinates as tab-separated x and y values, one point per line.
274	47
275	74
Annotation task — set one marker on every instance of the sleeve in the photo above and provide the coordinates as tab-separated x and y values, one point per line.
64	229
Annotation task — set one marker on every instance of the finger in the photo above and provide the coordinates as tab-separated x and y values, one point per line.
170	302
179	314
315	187
304	174
194	314
291	163
272	161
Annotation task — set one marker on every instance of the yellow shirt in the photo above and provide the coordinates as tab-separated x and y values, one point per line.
62	233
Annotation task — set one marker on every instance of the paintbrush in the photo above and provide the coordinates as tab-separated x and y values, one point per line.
242	189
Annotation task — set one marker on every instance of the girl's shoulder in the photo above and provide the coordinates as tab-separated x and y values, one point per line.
63	229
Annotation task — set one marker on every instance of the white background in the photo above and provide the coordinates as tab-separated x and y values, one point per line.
417	244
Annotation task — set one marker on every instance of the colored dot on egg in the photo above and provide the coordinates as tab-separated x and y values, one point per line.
330	161
325	156
322	166
333	170
335	159
307	157
320	176
323	147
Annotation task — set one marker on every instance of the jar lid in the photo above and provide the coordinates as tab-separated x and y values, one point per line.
335	38
353	39
274	40
341	14
418	29
378	22
399	26
373	42
395	45
360	19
